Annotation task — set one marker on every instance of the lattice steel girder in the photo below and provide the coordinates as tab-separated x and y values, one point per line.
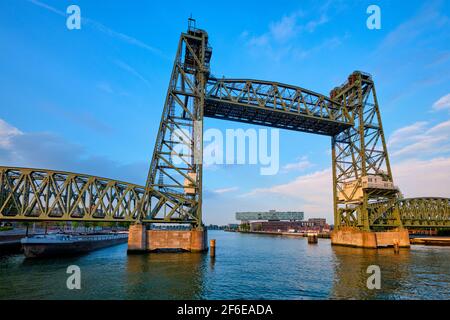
36	194
175	175
276	105
413	212
359	151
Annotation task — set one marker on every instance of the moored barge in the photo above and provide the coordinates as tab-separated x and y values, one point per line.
69	244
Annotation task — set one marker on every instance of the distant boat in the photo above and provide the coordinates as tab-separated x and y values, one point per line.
51	245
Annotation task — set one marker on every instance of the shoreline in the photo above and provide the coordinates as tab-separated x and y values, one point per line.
288	234
426	241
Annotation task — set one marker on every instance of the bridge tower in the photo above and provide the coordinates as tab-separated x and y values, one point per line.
362	176
174	182
175	174
361	170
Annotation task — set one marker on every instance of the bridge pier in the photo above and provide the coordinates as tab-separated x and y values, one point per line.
353	237
137	238
141	240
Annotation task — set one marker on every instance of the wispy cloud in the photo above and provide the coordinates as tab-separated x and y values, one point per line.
405	53
103	29
440	59
423	178
300	165
105	87
225	190
429	17
291	25
132	71
49	151
442	104
420	140
7	132
280	39
311	193
285	29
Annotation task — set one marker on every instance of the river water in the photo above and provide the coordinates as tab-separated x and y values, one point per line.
246	266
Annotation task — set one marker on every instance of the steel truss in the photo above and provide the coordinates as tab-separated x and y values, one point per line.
176	166
275	105
414	213
359	152
173	190
33	194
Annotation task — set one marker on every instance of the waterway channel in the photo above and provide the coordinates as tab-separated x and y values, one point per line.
246	266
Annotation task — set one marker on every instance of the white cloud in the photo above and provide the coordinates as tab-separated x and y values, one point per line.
281	38
302	164
225	190
442	104
45	150
419	140
259	41
406	133
286	28
420	169
423	178
311	193
313	24
7	132
126	67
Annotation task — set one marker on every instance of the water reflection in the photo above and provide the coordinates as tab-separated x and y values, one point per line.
245	267
350	272
165	275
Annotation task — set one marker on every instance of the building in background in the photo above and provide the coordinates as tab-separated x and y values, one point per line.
322	222
271	215
274	221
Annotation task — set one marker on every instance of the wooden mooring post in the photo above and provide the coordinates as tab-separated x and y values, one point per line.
212	248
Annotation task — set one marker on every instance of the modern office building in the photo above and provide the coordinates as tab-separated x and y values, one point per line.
271	215
274	221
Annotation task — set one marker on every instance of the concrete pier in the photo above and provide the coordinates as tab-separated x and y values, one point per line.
137	238
141	240
367	239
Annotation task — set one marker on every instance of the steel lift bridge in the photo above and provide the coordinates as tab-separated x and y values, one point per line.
363	187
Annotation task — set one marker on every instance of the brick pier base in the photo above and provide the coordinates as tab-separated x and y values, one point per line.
141	240
367	239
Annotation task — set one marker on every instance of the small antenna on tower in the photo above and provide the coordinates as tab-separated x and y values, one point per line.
192	24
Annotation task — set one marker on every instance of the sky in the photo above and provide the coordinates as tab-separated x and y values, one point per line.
90	100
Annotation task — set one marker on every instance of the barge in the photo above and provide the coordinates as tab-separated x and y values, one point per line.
69	244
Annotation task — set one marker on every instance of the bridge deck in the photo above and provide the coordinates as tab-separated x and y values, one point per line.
275	105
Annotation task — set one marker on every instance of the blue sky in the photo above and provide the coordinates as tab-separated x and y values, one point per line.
90	100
